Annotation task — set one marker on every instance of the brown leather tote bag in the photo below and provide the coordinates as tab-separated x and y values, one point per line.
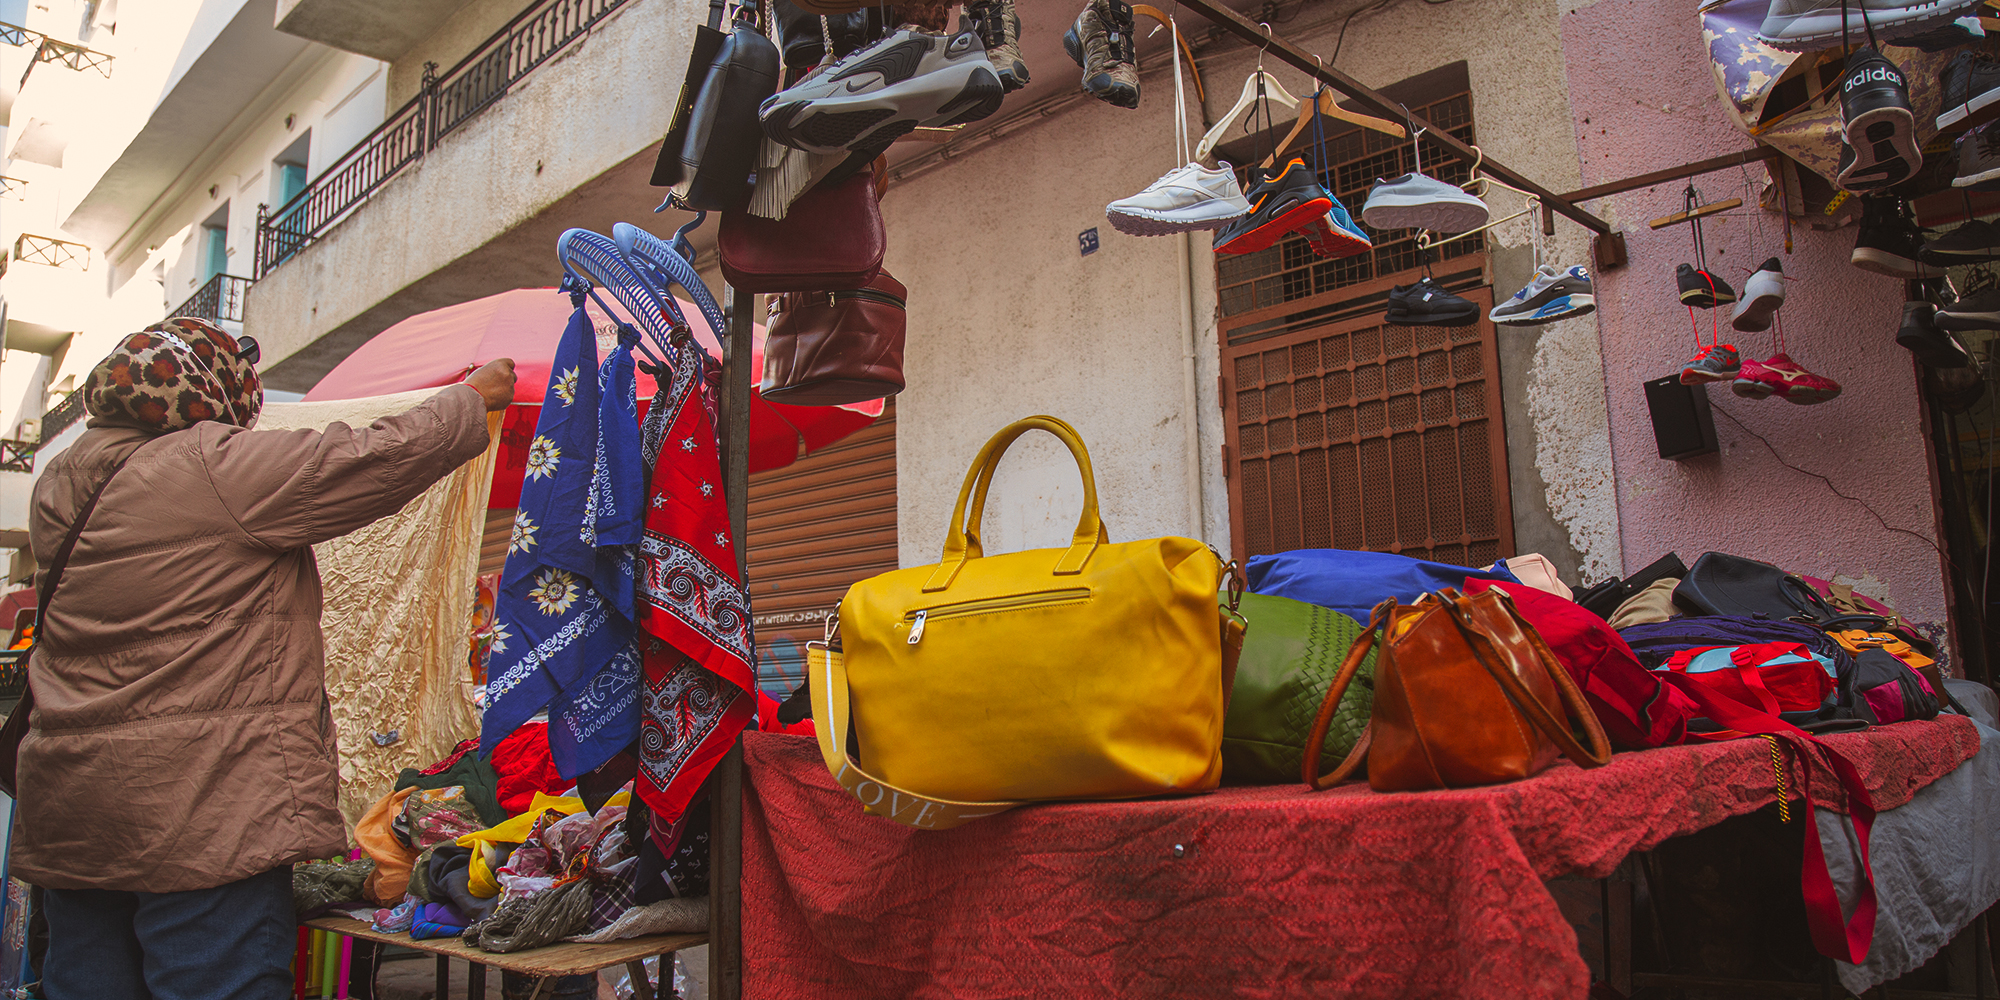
1466	693
828	348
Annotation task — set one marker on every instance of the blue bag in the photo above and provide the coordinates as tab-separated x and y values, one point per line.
1353	582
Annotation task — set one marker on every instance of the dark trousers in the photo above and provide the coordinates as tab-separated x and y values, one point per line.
232	942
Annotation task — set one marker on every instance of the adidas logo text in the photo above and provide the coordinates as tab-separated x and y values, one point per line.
1876	75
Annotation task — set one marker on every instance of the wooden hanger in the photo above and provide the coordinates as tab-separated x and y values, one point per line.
1273	90
1326	105
1159	15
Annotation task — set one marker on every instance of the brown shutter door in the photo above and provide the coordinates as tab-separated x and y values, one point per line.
818	526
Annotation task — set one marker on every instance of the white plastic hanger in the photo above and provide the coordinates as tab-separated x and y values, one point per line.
1273	91
1484	183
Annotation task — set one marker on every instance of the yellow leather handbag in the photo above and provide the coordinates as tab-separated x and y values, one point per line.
983	682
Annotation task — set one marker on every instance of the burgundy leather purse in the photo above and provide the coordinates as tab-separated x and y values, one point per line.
830	240
828	348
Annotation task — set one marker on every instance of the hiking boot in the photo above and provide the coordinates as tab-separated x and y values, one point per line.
1420	201
1881	147
1426	303
1780	376
1888	242
1715	363
1976	242
1932	346
1101	42
1281	201
1978	311
1971	84
873	96
1550	295
1702	289
999	29
1762	295
1800	25
1186	199
1978	156
1334	235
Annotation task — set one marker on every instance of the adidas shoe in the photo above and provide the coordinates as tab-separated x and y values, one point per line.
1932	346
1780	376
1978	311
1701	289
1801	25
1976	242
1888	242
1101	42
1715	363
865	101
1420	201
999	29
1426	303
1978	156
1187	198
1880	148
1971	84
1334	235
1762	295
1551	295
1965	31
1280	202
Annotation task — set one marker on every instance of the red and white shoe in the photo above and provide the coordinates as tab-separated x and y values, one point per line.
1782	377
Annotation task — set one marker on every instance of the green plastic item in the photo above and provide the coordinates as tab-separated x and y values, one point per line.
1290	654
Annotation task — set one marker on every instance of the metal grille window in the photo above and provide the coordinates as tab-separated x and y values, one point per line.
1289	270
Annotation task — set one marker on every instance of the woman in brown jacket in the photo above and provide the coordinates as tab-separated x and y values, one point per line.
181	754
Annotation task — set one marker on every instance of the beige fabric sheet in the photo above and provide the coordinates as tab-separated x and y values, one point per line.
398	608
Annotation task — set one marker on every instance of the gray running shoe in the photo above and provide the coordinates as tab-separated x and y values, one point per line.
1101	42
1420	201
999	29
1550	296
1798	25
865	101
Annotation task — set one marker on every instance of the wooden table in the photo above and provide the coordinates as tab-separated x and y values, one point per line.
563	958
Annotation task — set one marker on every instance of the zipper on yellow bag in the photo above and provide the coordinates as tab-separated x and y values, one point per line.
918	619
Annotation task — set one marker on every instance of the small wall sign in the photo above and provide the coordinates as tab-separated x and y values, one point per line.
1086	241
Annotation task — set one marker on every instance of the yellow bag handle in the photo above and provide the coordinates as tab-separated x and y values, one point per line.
962	542
826	671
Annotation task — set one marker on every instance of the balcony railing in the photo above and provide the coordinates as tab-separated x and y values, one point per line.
445	102
17	456
61	415
47	49
51	251
220	299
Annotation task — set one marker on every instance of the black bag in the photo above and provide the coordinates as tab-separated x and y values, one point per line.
718	148
1722	584
1603	599
668	169
803	37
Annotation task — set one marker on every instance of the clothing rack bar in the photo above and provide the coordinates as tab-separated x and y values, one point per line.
1303	61
725	787
1682	172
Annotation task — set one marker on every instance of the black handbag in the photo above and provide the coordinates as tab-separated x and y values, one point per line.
668	169
1722	584
719	139
802	36
1603	599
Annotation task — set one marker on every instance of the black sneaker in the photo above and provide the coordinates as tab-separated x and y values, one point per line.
1978	158
1880	149
1931	345
1426	303
1282	200
1888	242
1978	311
1976	242
1971	84
1701	289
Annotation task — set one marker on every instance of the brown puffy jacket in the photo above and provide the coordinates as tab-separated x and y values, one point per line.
181	737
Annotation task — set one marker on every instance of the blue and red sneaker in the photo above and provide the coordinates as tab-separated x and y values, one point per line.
1715	363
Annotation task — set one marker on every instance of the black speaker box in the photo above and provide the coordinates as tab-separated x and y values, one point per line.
1682	425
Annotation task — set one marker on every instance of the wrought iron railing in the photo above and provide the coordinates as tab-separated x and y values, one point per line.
220	299
61	415
13	187
17	456
51	251
47	49
446	101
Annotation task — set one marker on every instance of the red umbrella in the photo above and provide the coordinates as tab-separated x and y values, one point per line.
437	348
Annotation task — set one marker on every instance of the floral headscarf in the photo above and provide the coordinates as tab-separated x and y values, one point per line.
175	374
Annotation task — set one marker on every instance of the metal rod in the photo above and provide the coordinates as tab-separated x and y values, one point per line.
1683	172
725	844
1305	62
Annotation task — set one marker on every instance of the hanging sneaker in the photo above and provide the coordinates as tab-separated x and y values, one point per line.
1971	84
1762	295
1888	242
908	79
1976	242
1426	303
999	29
1978	156
1334	235
1186	199
1780	376
1101	42
1702	289
1964	31
1551	295
1932	346
1881	147
1715	363
1420	201
1801	25
1978	311
1280	201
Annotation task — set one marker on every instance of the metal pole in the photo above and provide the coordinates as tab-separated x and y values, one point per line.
725	844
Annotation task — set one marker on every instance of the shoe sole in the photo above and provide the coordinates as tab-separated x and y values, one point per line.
1335	245
1423	213
839	123
1933	355
1751	388
1963	322
1132	222
1978	178
1406	318
1701	299
1693	377
1819	30
1755	315
1884	141
1803	396
1271	232
1886	263
1990	99
1574	304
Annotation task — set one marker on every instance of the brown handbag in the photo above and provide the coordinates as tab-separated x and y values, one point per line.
831	239
1466	693
828	348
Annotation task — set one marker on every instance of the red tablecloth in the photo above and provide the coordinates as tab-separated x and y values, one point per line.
1278	892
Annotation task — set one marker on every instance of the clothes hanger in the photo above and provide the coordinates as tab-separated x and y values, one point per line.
1323	102
1425	239
1259	85
663	264
1156	14
594	261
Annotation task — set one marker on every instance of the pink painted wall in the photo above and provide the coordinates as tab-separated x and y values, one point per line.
1642	98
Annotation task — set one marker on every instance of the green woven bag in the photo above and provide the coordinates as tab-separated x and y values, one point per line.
1290	654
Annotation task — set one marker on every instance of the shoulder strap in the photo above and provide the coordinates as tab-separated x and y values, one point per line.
53	576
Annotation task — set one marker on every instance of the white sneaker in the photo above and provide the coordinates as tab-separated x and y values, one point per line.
1420	201
1188	198
1762	295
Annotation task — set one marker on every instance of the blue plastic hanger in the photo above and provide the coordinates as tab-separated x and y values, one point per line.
662	265
596	262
